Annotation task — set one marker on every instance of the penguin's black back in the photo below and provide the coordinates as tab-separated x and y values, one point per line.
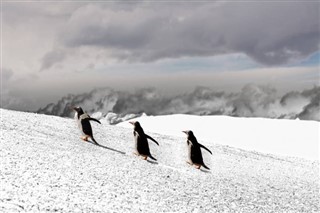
86	127
142	144
195	151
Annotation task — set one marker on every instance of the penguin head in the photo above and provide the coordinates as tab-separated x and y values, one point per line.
189	133
136	126
191	137
135	123
78	109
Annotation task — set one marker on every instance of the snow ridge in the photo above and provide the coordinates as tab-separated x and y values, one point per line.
45	167
252	101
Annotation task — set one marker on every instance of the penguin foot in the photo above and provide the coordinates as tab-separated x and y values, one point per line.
197	166
144	157
84	138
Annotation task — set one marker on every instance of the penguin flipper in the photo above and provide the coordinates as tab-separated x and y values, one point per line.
147	136
93	119
205	148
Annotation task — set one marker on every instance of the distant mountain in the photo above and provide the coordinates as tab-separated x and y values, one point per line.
251	101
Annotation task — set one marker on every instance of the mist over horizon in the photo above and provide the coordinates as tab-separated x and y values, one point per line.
252	101
51	49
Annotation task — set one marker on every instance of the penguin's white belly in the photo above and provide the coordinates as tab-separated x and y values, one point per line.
189	151
136	139
78	122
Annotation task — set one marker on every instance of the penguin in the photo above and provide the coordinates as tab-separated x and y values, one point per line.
141	141
83	120
195	155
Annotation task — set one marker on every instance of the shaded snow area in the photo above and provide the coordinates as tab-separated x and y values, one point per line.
46	167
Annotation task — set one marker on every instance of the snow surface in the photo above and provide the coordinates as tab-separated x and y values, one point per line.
45	167
282	137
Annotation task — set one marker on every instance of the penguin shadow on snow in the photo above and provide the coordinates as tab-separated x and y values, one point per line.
108	148
111	149
205	171
152	162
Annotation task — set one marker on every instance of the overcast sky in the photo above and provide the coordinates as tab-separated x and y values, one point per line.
50	49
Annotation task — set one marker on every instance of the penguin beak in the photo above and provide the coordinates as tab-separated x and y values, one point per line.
72	108
186	132
132	122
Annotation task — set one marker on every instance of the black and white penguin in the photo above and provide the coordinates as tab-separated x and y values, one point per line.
194	151
83	121
141	141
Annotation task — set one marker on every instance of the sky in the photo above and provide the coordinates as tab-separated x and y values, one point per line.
53	48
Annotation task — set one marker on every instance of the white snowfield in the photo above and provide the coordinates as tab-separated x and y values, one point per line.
294	138
46	167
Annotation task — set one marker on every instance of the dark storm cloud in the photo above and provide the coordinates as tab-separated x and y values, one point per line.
252	101
271	33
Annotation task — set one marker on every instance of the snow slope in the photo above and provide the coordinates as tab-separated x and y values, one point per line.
282	137
45	167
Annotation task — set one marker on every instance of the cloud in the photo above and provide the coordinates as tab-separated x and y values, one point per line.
251	101
6	74
271	33
6	78
88	45
11	84
51	58
312	110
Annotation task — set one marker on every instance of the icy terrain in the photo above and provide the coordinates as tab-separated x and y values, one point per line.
45	167
277	136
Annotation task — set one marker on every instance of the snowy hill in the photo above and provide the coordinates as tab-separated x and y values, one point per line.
45	167
282	137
